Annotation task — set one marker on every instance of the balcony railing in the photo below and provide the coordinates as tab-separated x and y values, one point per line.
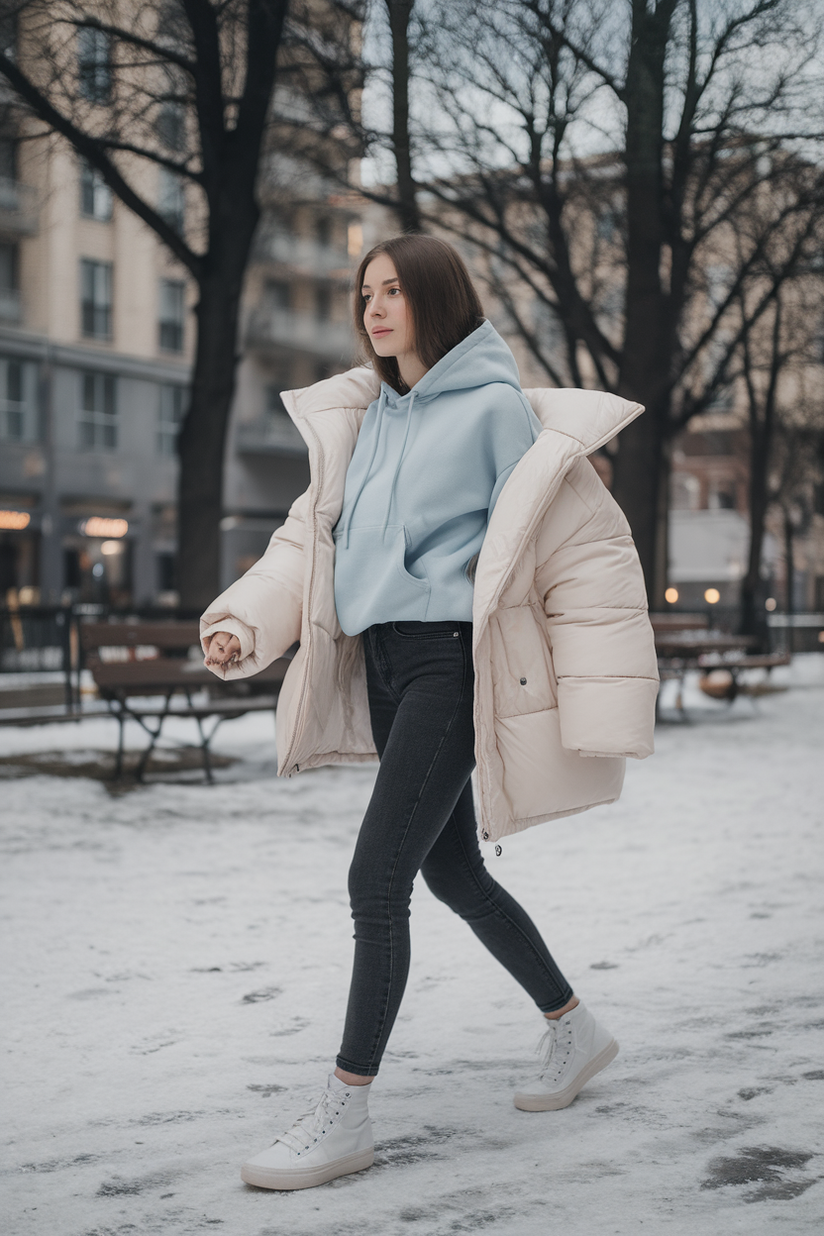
273	434
307	254
18	208
302	331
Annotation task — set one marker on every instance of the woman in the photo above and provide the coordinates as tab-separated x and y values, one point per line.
464	590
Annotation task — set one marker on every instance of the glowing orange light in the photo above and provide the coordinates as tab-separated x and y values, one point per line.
15	519
671	595
96	525
712	596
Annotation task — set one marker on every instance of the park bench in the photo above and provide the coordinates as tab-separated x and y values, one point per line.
684	642
150	671
726	685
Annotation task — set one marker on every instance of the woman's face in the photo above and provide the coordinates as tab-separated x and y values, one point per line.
386	313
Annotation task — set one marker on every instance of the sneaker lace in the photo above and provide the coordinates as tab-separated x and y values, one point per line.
311	1125
554	1050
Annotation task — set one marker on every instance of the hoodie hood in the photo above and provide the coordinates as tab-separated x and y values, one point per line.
481	358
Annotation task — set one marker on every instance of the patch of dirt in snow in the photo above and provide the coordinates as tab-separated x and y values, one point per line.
778	1173
100	765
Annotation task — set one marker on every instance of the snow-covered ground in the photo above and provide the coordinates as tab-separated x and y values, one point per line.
176	962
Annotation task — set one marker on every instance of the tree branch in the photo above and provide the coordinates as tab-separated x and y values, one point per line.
91	150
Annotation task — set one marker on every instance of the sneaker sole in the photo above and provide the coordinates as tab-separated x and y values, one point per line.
562	1098
307	1177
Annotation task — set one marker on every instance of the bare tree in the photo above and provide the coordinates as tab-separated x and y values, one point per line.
186	86
602	159
796	473
778	363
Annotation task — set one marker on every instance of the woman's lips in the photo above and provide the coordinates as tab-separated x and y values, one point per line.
378	334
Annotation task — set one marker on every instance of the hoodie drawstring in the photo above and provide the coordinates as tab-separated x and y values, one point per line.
375	441
397	465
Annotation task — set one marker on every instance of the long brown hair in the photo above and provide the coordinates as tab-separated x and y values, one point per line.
442	300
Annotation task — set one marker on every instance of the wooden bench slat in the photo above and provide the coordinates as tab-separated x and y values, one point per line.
133	634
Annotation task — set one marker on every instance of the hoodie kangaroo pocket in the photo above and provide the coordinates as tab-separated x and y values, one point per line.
371	578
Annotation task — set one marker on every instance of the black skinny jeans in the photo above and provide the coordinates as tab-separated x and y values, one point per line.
421	818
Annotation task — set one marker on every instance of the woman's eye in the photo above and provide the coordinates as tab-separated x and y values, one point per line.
393	290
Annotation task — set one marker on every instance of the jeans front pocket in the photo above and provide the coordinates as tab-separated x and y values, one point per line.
426	630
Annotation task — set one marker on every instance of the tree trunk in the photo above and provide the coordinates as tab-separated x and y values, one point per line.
789	568
202	440
641	476
751	611
640	486
400	12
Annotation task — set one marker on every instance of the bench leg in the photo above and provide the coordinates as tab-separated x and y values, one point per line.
118	764
204	750
154	735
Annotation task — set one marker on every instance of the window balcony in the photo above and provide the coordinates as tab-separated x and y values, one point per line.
18	208
303	332
305	254
272	434
10	305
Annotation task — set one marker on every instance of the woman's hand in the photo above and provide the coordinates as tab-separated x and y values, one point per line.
224	649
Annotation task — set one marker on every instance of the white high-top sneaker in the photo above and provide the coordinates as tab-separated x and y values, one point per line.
574	1048
331	1139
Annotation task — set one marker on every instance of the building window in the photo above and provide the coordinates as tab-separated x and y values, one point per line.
172	308
169	417
277	294
98	412
8	35
9	283
171	199
170	126
96	299
8	158
95	194
323	302
19	418
275	409
94	65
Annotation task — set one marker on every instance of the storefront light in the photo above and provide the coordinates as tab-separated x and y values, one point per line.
770	604
712	596
96	525
111	547
15	520
671	595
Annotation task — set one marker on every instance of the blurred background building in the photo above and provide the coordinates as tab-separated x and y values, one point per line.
96	336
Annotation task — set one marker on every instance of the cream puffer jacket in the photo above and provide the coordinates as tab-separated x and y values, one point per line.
565	665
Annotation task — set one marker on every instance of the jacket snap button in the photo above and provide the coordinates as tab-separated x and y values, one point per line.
523	682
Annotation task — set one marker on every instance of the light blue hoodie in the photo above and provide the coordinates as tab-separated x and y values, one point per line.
426	473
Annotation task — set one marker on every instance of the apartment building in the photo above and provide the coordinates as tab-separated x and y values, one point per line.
97	337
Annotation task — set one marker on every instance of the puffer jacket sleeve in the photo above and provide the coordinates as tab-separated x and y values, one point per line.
263	608
590	581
